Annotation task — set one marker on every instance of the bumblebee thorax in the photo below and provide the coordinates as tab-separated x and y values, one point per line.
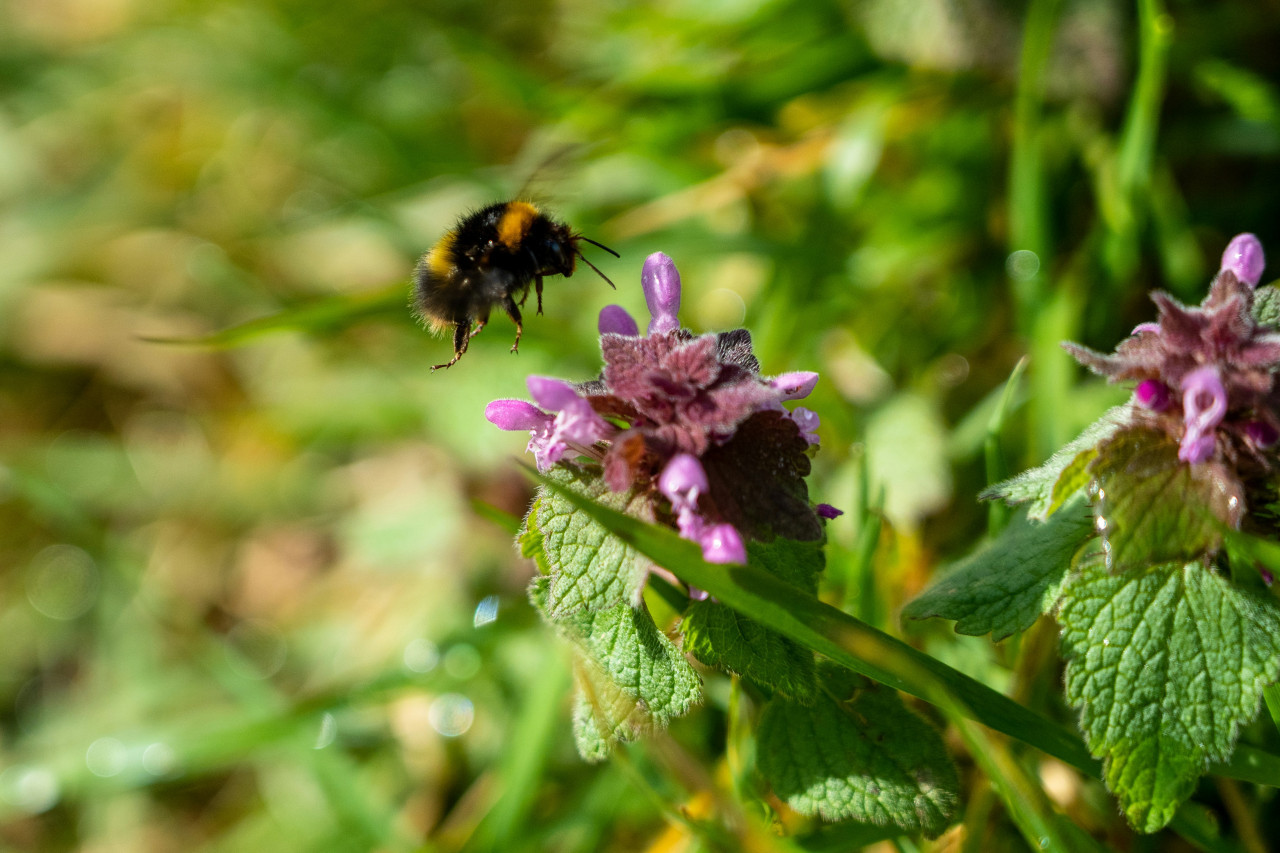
515	223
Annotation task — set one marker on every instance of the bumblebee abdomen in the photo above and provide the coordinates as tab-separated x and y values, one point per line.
441	286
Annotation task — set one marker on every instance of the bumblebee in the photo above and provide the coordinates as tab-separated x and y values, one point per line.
489	259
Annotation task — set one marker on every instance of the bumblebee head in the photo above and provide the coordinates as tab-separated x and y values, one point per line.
558	252
555	246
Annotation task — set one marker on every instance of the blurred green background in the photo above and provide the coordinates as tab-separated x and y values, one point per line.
261	593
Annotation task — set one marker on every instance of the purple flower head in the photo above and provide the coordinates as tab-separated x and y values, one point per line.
1244	258
614	320
682	481
686	422
1216	355
807	420
661	283
551	393
721	543
516	415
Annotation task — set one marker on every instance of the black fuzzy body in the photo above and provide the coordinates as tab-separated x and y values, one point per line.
489	259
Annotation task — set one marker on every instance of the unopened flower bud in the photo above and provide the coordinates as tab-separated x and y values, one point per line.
1152	394
796	385
721	543
1244	257
683	480
515	415
661	282
614	320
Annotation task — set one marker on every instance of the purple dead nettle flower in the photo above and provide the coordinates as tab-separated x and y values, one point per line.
1204	402
576	426
687	419
682	482
1216	357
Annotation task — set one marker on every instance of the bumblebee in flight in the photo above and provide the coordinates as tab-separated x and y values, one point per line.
489	259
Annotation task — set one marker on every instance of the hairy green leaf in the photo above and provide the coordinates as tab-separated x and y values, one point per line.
1153	508
859	755
859	648
720	636
1049	486
1164	665
631	678
797	563
1003	588
1266	305
588	567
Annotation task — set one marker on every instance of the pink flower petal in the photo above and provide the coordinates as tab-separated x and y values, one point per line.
515	415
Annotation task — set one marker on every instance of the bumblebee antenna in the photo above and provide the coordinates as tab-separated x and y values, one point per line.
594	267
601	245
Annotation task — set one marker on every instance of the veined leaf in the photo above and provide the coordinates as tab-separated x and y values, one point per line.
588	567
720	636
1164	665
863	756
1005	587
631	678
1153	508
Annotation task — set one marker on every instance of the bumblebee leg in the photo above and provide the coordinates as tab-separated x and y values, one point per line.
538	288
514	311
477	330
460	340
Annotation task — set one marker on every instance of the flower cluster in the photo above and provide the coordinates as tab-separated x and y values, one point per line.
686	419
1216	359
